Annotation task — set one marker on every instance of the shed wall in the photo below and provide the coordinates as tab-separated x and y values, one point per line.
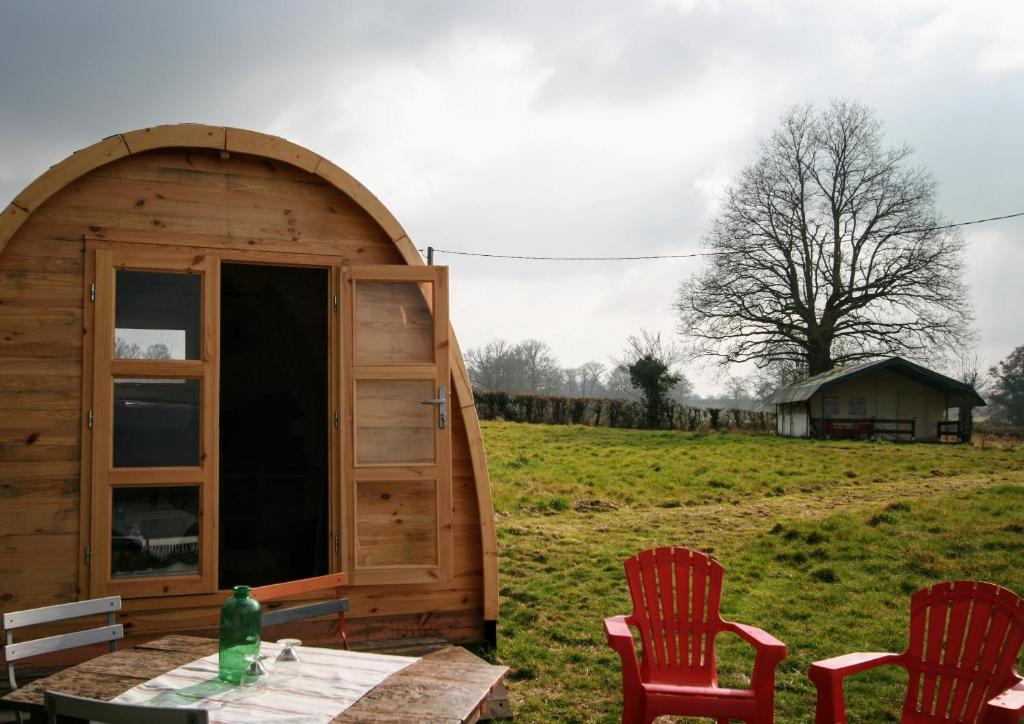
162	200
888	395
791	420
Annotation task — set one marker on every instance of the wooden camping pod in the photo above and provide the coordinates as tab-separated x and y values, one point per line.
416	533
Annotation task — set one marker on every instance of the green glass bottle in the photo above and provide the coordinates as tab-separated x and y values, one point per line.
240	620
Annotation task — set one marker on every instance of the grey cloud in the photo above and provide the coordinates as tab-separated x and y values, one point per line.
75	71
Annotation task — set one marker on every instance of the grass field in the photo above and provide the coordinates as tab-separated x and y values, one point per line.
822	543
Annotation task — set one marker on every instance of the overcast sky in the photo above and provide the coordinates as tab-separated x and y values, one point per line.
546	128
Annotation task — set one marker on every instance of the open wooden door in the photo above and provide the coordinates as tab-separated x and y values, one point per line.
397	458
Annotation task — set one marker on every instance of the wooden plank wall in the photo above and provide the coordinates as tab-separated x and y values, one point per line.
163	200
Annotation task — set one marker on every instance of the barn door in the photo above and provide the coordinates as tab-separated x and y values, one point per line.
398	411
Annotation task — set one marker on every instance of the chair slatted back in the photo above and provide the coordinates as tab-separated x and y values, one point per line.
309	610
65	705
277	591
676	594
14	620
964	639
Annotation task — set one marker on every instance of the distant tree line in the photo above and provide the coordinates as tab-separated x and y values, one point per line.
643	387
1005	390
621	413
530	366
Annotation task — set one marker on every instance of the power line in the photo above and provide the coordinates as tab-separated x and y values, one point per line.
968	223
581	258
679	256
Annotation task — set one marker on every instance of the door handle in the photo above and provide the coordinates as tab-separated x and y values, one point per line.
442	406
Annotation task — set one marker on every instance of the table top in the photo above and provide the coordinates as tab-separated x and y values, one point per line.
449	685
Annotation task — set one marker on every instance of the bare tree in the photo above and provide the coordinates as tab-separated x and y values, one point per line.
682	391
650	343
538	368
778	373
738	388
970	370
763	386
158	351
493	366
123	349
826	251
586	380
619	386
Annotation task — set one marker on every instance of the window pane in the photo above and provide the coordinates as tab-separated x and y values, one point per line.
393	323
157	315
156	423
831	406
392	423
155	531
858	406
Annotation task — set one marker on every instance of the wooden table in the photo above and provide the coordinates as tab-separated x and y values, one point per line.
449	685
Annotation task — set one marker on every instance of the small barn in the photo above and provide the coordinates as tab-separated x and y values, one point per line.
890	398
223	361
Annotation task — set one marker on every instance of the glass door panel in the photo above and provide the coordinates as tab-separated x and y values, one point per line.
155	531
154	372
156	423
157	315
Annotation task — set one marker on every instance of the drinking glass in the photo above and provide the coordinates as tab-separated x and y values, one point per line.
288	664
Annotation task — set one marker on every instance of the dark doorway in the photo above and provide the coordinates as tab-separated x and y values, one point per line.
273	424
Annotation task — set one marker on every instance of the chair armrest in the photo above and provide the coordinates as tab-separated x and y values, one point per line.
769	652
620	638
847	664
758	638
1007	708
828	676
618	633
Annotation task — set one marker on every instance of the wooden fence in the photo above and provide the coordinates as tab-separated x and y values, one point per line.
600	412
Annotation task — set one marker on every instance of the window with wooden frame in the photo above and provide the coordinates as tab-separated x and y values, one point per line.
154	413
398	443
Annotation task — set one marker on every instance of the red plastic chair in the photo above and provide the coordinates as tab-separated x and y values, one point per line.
964	639
675	594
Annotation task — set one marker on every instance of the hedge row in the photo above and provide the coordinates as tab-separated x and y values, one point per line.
1011	431
600	412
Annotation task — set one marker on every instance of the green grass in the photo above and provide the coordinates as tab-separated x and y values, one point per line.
822	543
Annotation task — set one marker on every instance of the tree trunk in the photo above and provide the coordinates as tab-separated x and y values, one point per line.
819	355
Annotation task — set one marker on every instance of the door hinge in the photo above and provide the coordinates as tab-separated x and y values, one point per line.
337	419
88	555
337	543
335	303
89	419
92	292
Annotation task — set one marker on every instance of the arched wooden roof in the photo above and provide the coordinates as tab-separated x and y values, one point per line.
238	140
194	135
